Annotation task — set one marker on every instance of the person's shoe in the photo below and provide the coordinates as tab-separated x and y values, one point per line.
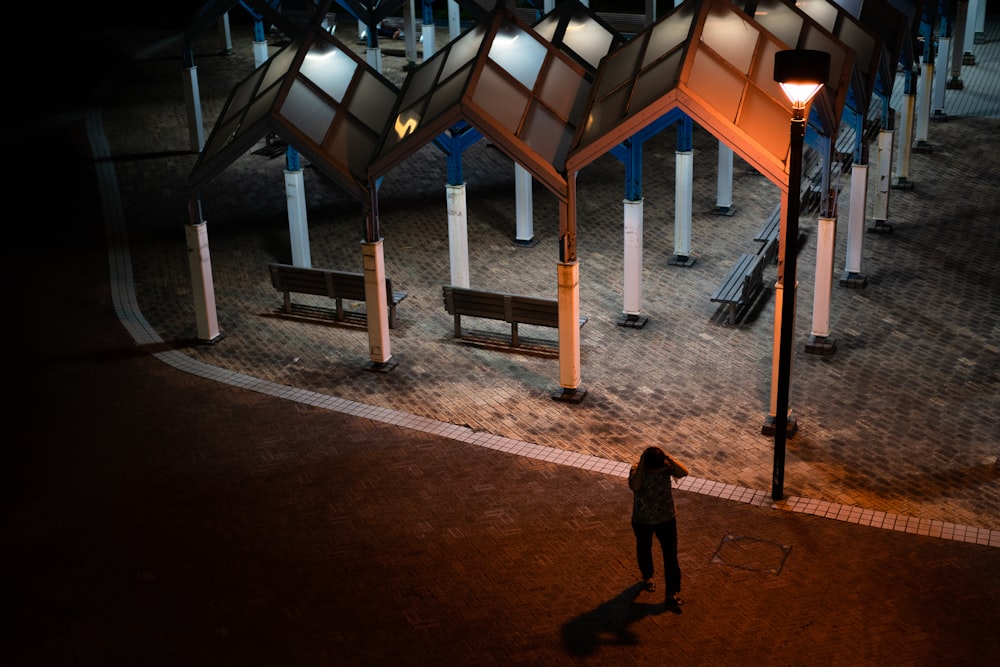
649	585
674	600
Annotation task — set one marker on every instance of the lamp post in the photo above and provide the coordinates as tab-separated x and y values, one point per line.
801	73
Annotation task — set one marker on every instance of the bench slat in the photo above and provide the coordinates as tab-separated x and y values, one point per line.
511	308
337	285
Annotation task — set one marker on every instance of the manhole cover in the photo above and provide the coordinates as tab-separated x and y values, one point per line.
751	553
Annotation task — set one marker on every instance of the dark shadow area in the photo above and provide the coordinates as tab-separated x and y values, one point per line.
608	623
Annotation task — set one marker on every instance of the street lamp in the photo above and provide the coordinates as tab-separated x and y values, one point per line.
801	73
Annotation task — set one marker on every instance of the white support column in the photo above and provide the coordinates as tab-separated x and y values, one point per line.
454	20
940	77
192	102
428	40
376	304
852	276
969	38
410	31
724	188
958	45
524	207
632	285
683	196
298	223
202	285
373	56
924	108
978	10
905	143
260	54
880	212
225	34
458	235
569	326
820	341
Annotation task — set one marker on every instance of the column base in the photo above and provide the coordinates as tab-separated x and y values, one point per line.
939	116
821	345
790	428
381	366
525	243
565	395
968	58
923	147
209	341
853	280
727	211
681	260
954	84
902	184
879	227
632	321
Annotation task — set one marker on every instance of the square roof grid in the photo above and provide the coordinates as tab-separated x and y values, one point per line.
320	97
897	23
579	32
508	82
837	21
713	61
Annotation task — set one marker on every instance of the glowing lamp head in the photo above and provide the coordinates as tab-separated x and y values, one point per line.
801	73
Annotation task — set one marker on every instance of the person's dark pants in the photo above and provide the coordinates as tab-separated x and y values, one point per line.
666	534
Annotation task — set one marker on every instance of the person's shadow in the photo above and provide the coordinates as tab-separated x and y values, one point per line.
608	623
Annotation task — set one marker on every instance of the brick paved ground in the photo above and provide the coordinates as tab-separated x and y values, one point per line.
160	518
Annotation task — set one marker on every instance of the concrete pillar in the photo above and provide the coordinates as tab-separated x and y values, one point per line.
632	284
427	39
569	329
260	54
683	195
852	276
880	212
978	10
192	103
298	223
524	207
905	137
376	304
820	340
923	114
969	35
225	34
373	56
458	235
724	186
202	284
454	20
958	45
940	79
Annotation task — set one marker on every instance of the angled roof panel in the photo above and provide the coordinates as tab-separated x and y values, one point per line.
515	87
320	97
712	61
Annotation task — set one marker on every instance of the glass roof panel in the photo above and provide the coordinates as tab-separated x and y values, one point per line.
372	102
818	40
588	38
766	121
446	96
728	34
655	81
669	33
781	20
563	89
620	66
605	114
278	65
505	101
519	53
547	134
463	50
863	43
220	138
261	106
351	145
715	83
823	12
420	82
329	68
242	94
763	74
307	111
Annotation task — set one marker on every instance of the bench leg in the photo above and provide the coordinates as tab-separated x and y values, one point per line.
288	302
514	340
340	310
458	326
392	315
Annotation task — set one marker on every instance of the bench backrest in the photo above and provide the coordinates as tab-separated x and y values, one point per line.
322	282
501	306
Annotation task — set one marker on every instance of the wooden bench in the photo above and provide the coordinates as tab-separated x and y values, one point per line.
337	285
742	284
462	301
627	24
768	235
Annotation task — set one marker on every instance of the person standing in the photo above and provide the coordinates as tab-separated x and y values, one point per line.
653	513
